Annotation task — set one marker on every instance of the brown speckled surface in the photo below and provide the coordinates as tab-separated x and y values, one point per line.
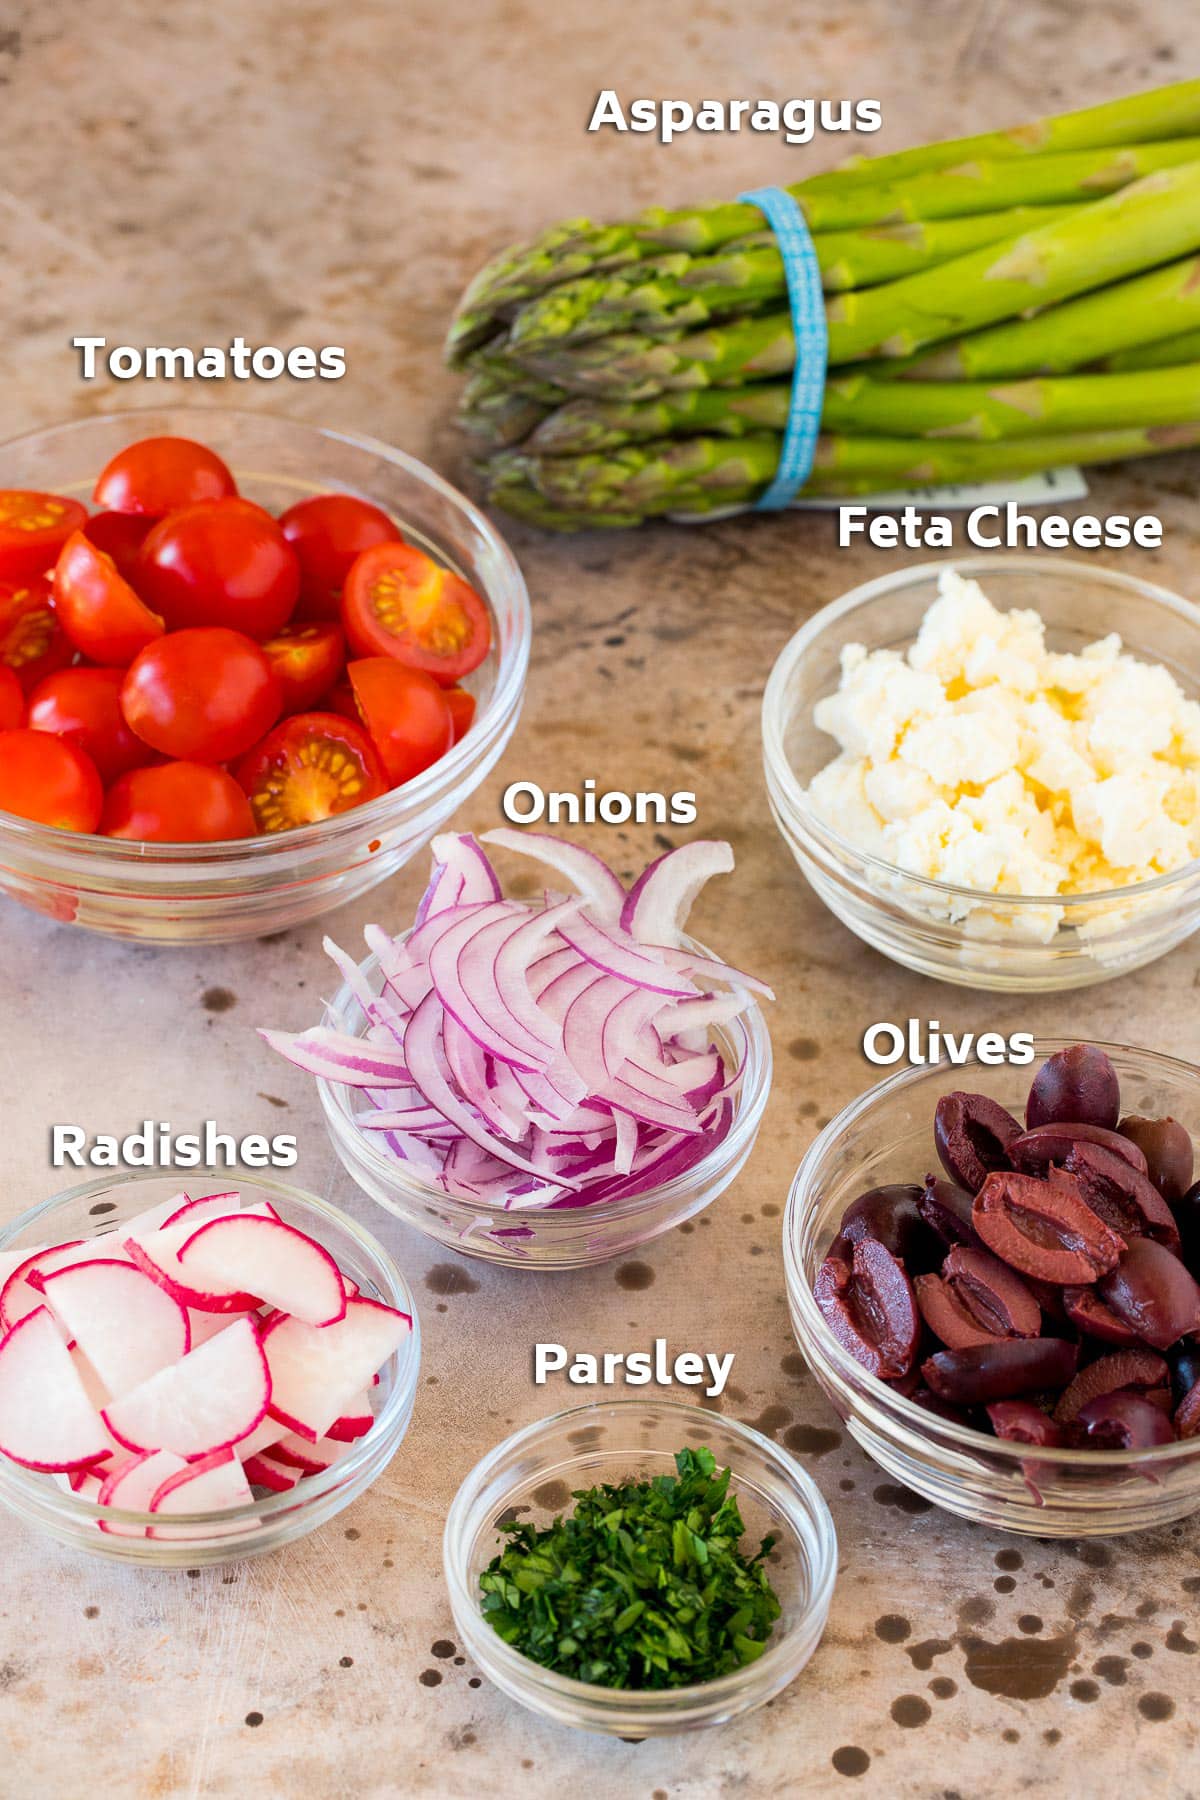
311	173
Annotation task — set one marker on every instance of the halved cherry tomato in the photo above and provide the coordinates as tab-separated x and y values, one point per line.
84	706
222	563
308	660
158	475
462	711
97	608
309	768
398	602
12	700
121	536
177	803
33	529
32	642
327	533
48	780
405	712
203	696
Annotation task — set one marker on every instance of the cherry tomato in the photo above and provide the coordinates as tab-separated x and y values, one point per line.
158	475
12	700
32	642
310	767
462	711
97	608
405	712
49	780
177	803
398	602
204	695
33	529
327	533
222	563
308	660
121	536
84	706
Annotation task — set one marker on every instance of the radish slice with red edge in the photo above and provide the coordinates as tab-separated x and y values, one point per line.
132	1486
317	1371
46	1419
282	1266
204	1403
215	1483
125	1324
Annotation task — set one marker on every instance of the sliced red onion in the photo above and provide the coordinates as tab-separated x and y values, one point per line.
462	876
328	1054
624	960
663	895
585	871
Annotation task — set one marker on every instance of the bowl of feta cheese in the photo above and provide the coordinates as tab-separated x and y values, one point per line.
989	768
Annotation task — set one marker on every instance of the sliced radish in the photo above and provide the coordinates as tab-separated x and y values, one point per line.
216	1483
46	1418
205	1325
133	1486
207	1401
317	1371
17	1298
11	1260
84	1482
264	1437
355	1422
157	1254
297	1452
275	1261
125	1324
262	1472
210	1206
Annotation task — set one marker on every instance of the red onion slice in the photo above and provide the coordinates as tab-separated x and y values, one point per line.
587	874
625	961
663	895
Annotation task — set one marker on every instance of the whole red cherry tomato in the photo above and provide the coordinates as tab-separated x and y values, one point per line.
222	563
97	608
33	529
12	700
309	768
308	660
327	533
158	475
32	642
405	712
398	602
462	710
84	706
203	695
177	803
48	780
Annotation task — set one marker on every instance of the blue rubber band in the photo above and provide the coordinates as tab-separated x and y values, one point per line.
806	300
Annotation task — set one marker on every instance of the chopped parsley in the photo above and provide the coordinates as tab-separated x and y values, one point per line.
642	1586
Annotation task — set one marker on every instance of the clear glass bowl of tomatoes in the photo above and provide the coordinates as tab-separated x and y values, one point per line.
248	668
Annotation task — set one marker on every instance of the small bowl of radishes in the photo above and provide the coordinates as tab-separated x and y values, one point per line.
194	1377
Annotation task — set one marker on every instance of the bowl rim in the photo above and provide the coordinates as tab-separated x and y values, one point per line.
820	1339
15	1479
750	1099
787	791
511	671
807	1498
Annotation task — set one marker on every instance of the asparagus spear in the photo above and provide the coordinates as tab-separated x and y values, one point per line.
682	291
1125	315
700	475
858	405
578	247
1166	353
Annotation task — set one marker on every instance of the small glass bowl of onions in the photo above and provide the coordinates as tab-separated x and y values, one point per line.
98	1209
674	1176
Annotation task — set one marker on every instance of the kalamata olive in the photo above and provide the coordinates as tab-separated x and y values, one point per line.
1123	1197
1086	1310
972	1135
1139	1370
988	1372
1123	1421
890	1215
869	1306
1044	1228
947	1208
930	1402
1185	1368
1035	1150
1187	1217
1152	1291
1187	1413
1167	1148
1078	1085
1021	1422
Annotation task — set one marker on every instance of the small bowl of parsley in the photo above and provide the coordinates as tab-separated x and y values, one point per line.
639	1567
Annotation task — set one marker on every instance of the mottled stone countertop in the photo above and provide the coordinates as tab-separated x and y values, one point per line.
310	173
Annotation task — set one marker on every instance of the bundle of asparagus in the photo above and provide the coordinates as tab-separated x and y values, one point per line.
996	305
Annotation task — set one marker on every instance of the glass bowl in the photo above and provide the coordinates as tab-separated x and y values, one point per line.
570	1237
887	1135
96	1209
1004	942
539	1467
214	893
